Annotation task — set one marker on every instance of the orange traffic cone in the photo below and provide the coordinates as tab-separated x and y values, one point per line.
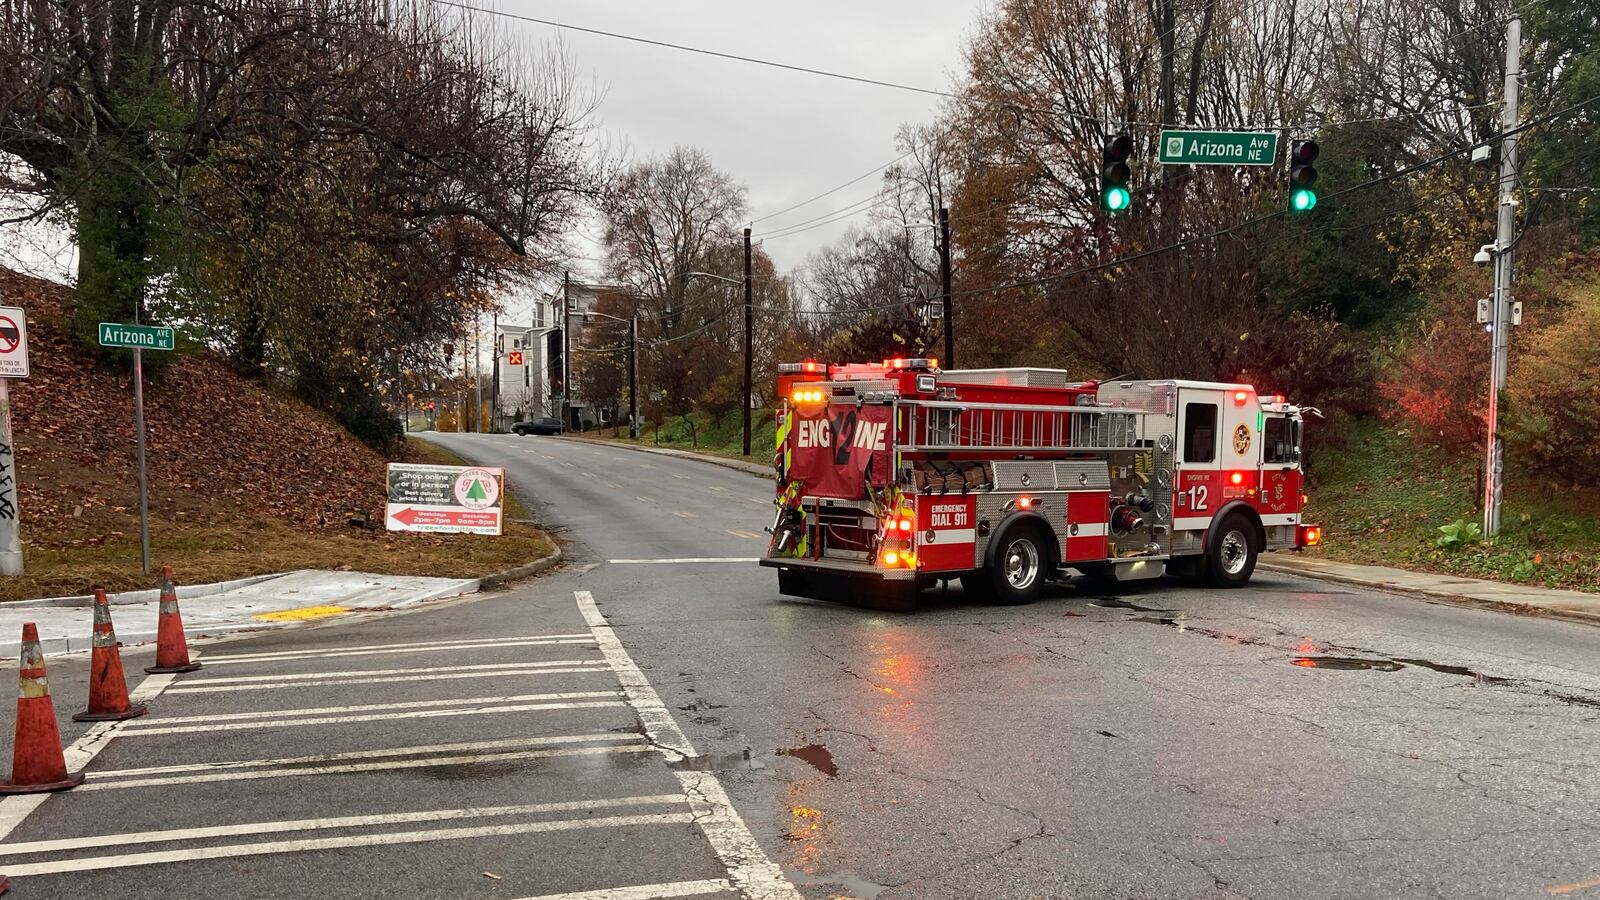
108	689
172	648
37	762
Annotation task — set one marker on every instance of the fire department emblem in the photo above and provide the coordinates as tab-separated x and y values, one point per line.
1241	439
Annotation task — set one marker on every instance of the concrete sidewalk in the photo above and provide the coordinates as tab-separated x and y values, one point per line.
1511	597
65	623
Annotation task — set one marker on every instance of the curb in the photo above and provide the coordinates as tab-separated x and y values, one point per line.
534	567
749	468
185	592
1501	606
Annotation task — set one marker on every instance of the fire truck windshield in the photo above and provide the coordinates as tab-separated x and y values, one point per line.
1281	440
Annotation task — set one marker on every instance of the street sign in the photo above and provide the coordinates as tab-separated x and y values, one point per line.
445	499
13	342
1218	148
514	358
139	337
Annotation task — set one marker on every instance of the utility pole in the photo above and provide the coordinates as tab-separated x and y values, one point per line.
944	286
749	340
567	396
1500	309
633	377
494	386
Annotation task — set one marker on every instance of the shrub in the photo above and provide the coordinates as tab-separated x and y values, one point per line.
1458	534
1553	396
1439	384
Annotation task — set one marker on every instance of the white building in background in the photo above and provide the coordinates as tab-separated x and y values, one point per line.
530	389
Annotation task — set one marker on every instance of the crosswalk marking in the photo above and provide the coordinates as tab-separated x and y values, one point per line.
323	681
191	854
407	648
143	724
463	642
87	842
350	768
374	717
502	743
646	891
471	667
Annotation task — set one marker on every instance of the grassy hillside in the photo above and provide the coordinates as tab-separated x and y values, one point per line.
1384	498
243	480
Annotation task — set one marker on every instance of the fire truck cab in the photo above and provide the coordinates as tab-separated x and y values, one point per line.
896	476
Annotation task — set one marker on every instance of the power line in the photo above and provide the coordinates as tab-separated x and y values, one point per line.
853	209
835	190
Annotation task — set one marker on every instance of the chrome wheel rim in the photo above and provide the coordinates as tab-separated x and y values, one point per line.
1021	563
1235	552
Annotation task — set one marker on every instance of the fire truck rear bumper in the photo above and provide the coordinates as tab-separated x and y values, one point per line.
845	581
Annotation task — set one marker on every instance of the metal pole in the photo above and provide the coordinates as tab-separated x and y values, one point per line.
749	341
1500	311
10	513
477	372
144	482
494	386
566	350
944	287
633	377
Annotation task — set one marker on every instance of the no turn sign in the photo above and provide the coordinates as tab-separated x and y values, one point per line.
13	342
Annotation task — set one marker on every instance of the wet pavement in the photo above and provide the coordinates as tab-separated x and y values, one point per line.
1290	738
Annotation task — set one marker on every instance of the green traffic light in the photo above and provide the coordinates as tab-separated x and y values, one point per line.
1302	199
1116	198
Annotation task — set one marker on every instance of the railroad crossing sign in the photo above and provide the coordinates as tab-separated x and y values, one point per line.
1218	148
13	343
139	337
445	499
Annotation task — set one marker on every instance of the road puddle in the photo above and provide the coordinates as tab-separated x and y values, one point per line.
718	762
817	755
1346	663
1115	603
1463	671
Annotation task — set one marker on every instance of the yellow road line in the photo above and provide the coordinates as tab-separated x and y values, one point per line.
305	612
744	534
1575	886
685	514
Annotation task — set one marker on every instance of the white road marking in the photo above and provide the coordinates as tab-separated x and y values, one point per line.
290	825
646	891
686	559
335	652
324	681
646	466
418	644
499	744
375	717
685	514
613	485
142	724
644	499
14	809
719	489
590	475
387	765
752	872
191	854
352	673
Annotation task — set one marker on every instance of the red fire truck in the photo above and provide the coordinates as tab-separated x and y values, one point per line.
895	476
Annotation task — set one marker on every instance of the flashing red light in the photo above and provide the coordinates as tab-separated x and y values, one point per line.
1304	499
1024	502
933	362
1237	478
904	525
891	558
1278	398
1239	397
1310	535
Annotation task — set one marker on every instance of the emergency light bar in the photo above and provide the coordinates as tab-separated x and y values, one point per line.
903	364
810	366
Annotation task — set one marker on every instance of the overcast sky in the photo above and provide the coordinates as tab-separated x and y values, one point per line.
785	135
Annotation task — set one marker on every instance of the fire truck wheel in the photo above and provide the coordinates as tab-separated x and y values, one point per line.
1233	557
1021	567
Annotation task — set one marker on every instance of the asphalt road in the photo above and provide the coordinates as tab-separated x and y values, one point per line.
1156	744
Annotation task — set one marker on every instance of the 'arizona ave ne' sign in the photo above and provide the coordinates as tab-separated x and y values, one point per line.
445	499
1218	148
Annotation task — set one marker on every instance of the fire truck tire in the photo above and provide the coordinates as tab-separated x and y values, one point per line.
1021	567
1232	558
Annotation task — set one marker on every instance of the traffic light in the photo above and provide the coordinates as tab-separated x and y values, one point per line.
1302	175
1114	174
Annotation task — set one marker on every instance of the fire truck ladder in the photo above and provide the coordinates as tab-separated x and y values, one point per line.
938	425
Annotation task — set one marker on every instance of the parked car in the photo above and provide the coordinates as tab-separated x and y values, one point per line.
537	426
